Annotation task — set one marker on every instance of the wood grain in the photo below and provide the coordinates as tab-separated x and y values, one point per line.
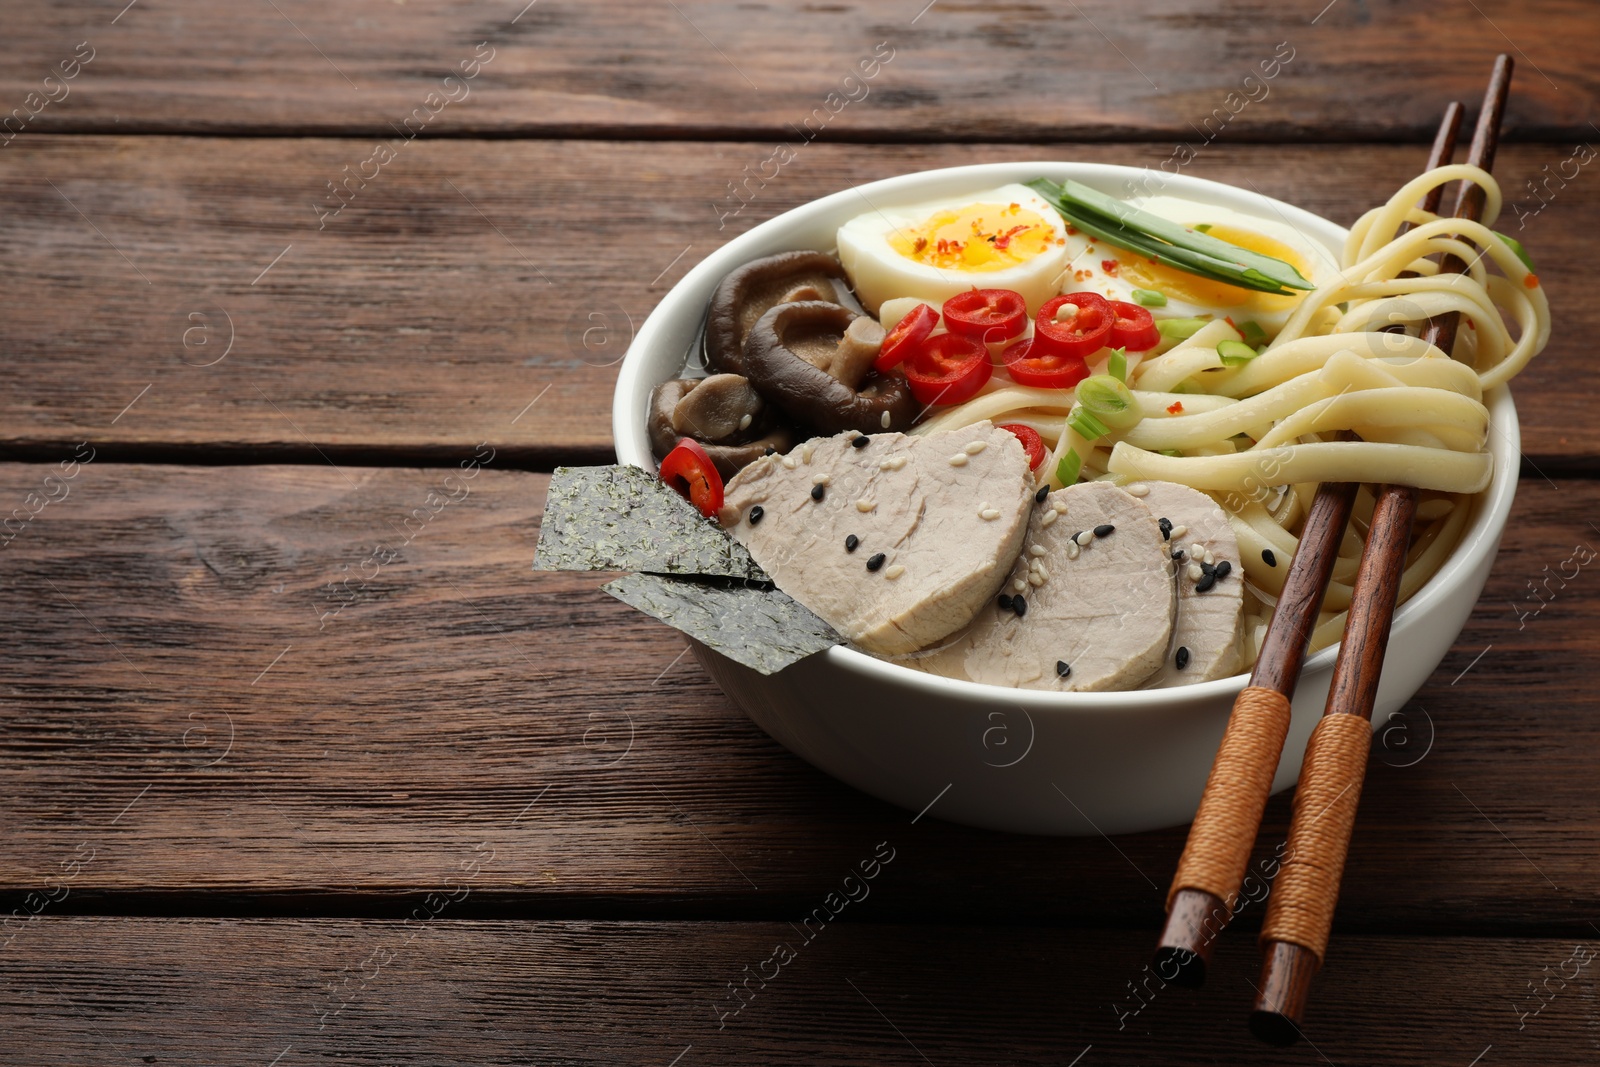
449	991
1098	69
458	699
457	289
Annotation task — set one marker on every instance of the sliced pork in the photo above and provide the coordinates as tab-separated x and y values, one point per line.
1205	642
895	541
1087	606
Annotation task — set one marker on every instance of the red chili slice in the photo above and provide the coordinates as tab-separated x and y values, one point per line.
1134	328
947	369
990	315
1032	443
1082	335
1049	370
689	470
906	337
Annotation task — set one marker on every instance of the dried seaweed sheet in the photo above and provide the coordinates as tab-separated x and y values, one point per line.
761	627
623	518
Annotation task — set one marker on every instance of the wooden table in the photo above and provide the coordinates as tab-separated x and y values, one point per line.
271	274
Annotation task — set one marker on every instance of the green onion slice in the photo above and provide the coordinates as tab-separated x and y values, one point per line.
1117	365
1149	298
1179	329
1109	402
1233	353
1516	246
1083	422
1068	469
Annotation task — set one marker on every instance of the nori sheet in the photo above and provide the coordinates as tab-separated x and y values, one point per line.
623	518
759	626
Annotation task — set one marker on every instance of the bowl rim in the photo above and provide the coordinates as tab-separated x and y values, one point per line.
1491	508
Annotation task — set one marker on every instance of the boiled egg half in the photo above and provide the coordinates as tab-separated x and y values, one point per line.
1004	238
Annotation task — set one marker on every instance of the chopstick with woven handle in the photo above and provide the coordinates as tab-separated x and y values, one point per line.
1294	934
1212	867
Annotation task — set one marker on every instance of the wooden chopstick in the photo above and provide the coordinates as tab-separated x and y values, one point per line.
1229	817
1303	898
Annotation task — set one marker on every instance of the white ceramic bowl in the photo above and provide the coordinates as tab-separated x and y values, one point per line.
1019	760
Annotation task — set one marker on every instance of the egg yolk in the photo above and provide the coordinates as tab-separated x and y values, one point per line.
1148	274
976	238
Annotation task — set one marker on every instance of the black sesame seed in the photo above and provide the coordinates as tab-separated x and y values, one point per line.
1182	658
876	561
770	451
1177	553
1044	491
1207	568
1268	558
816	492
755	514
1005	601
1062	670
1075	534
1019	605
1166	528
1223	569
851	542
1105	529
1205	583
859	442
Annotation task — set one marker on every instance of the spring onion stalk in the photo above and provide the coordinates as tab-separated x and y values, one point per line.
1109	402
1149	298
1120	223
1233	353
1117	364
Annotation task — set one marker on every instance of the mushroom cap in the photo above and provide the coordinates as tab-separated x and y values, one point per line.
748	292
809	394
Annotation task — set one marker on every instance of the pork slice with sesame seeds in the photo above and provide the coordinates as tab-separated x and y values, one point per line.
1210	598
1104	610
935	538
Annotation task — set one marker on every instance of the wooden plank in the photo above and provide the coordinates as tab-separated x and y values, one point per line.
466	284
1093	70
440	990
222	695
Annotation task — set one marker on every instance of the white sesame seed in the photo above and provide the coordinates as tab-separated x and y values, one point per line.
1072	550
822	479
1177	532
1084	538
1044	575
895	570
1058	506
1035	550
744	421
1139	489
883	420
788	463
1194	572
989	514
1018	585
1197	551
806	450
864	505
958	460
1035	581
1208	557
974	447
1049	517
